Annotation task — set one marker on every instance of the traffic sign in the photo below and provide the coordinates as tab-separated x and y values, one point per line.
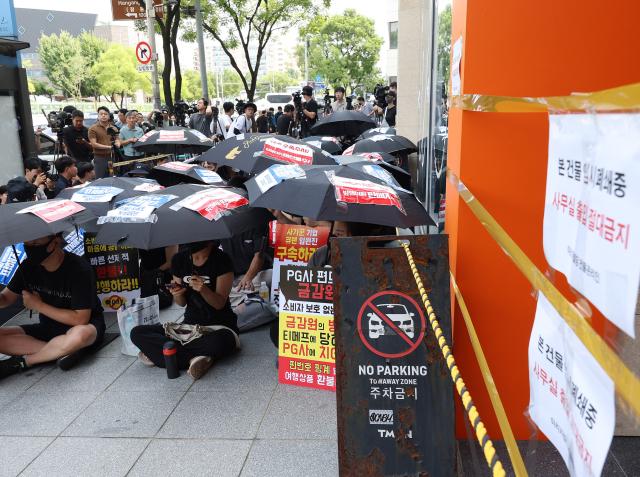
143	52
132	10
145	68
391	324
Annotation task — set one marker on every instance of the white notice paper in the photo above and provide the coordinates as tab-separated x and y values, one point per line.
592	209
455	67
571	397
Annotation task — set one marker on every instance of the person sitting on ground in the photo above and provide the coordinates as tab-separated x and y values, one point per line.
3	194
155	265
19	189
61	287
86	173
33	173
248	251
202	280
67	170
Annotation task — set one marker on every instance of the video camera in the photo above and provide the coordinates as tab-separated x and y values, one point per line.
58	120
240	104
182	109
380	92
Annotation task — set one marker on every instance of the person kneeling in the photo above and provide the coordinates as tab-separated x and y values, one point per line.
202	279
61	287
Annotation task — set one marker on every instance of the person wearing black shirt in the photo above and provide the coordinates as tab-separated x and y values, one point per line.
284	121
61	288
202	280
309	111
201	121
76	138
249	255
67	170
262	122
391	110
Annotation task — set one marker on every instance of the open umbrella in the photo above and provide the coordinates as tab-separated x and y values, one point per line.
174	140
392	175
374	157
376	131
236	149
335	193
388	143
176	172
26	221
179	214
327	143
343	123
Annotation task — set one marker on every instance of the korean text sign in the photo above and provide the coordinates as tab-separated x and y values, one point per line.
306	352
571	397
592	217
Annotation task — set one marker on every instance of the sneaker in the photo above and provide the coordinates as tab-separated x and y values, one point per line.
65	363
198	366
145	360
12	365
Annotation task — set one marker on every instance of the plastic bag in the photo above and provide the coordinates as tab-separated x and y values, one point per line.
144	311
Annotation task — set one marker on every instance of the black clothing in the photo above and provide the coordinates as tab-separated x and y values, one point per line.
263	124
151	338
390	116
61	184
19	189
312	107
72	286
242	248
46	333
75	147
321	257
284	122
198	311
153	258
201	122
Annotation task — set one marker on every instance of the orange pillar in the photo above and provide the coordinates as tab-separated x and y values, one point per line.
518	48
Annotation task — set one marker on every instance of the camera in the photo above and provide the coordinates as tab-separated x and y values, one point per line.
349	103
297	100
240	106
57	120
158	118
380	92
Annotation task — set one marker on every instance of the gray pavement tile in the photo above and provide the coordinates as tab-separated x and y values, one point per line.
23	381
275	458
217	414
17	452
86	457
300	413
42	414
240	373
112	350
22	318
197	458
257	342
139	377
125	414
92	374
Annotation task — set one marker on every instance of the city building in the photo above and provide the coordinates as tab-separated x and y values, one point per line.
112	33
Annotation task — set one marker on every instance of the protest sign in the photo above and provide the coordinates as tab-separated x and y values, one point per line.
9	264
571	397
93	193
591	216
306	351
54	210
75	242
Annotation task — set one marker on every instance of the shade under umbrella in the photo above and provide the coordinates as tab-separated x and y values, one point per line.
174	140
179	214
33	220
335	193
343	123
388	143
176	172
392	175
376	131
329	144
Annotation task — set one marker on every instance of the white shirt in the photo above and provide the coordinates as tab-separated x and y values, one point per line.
223	121
242	124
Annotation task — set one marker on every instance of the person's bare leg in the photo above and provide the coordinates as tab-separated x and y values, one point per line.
76	338
15	342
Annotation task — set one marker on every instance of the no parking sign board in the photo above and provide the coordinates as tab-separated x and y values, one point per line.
143	52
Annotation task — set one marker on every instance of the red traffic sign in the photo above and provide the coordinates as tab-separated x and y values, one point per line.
391	324
143	52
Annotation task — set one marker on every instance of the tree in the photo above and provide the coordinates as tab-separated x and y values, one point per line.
192	86
42	88
275	81
248	25
444	44
91	47
231	85
343	49
64	65
116	73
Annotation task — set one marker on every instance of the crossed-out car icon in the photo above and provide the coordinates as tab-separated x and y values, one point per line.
397	313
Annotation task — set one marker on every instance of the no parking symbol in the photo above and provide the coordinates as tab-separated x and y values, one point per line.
391	324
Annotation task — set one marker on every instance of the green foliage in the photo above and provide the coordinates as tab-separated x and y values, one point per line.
41	88
275	81
232	85
192	86
444	44
61	56
343	49
116	73
91	47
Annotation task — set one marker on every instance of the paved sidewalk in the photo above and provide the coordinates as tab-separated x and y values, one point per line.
112	416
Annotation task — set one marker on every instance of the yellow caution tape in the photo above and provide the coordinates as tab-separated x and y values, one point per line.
503	421
626	382
474	417
623	98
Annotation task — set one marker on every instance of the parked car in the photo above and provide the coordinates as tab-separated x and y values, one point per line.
273	100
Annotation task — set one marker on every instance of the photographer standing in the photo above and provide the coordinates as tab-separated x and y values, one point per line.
244	122
201	121
284	121
309	111
339	104
102	136
76	138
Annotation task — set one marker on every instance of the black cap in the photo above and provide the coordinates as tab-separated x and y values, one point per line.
307	91
20	190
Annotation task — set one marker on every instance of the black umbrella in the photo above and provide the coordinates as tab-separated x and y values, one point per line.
343	123
327	143
382	143
174	140
376	131
375	157
392	175
236	149
180	214
176	172
26	221
335	193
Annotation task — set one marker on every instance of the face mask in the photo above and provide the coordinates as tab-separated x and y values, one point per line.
38	253
195	247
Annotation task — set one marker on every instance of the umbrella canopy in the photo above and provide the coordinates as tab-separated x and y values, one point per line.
382	143
335	193
269	150
343	123
179	214
176	172
174	140
26	221
392	175
327	143
374	157
236	149
376	131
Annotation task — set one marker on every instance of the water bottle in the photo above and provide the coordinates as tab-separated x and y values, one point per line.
263	291
170	352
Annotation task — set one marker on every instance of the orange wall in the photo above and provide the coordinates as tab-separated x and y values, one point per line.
518	48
